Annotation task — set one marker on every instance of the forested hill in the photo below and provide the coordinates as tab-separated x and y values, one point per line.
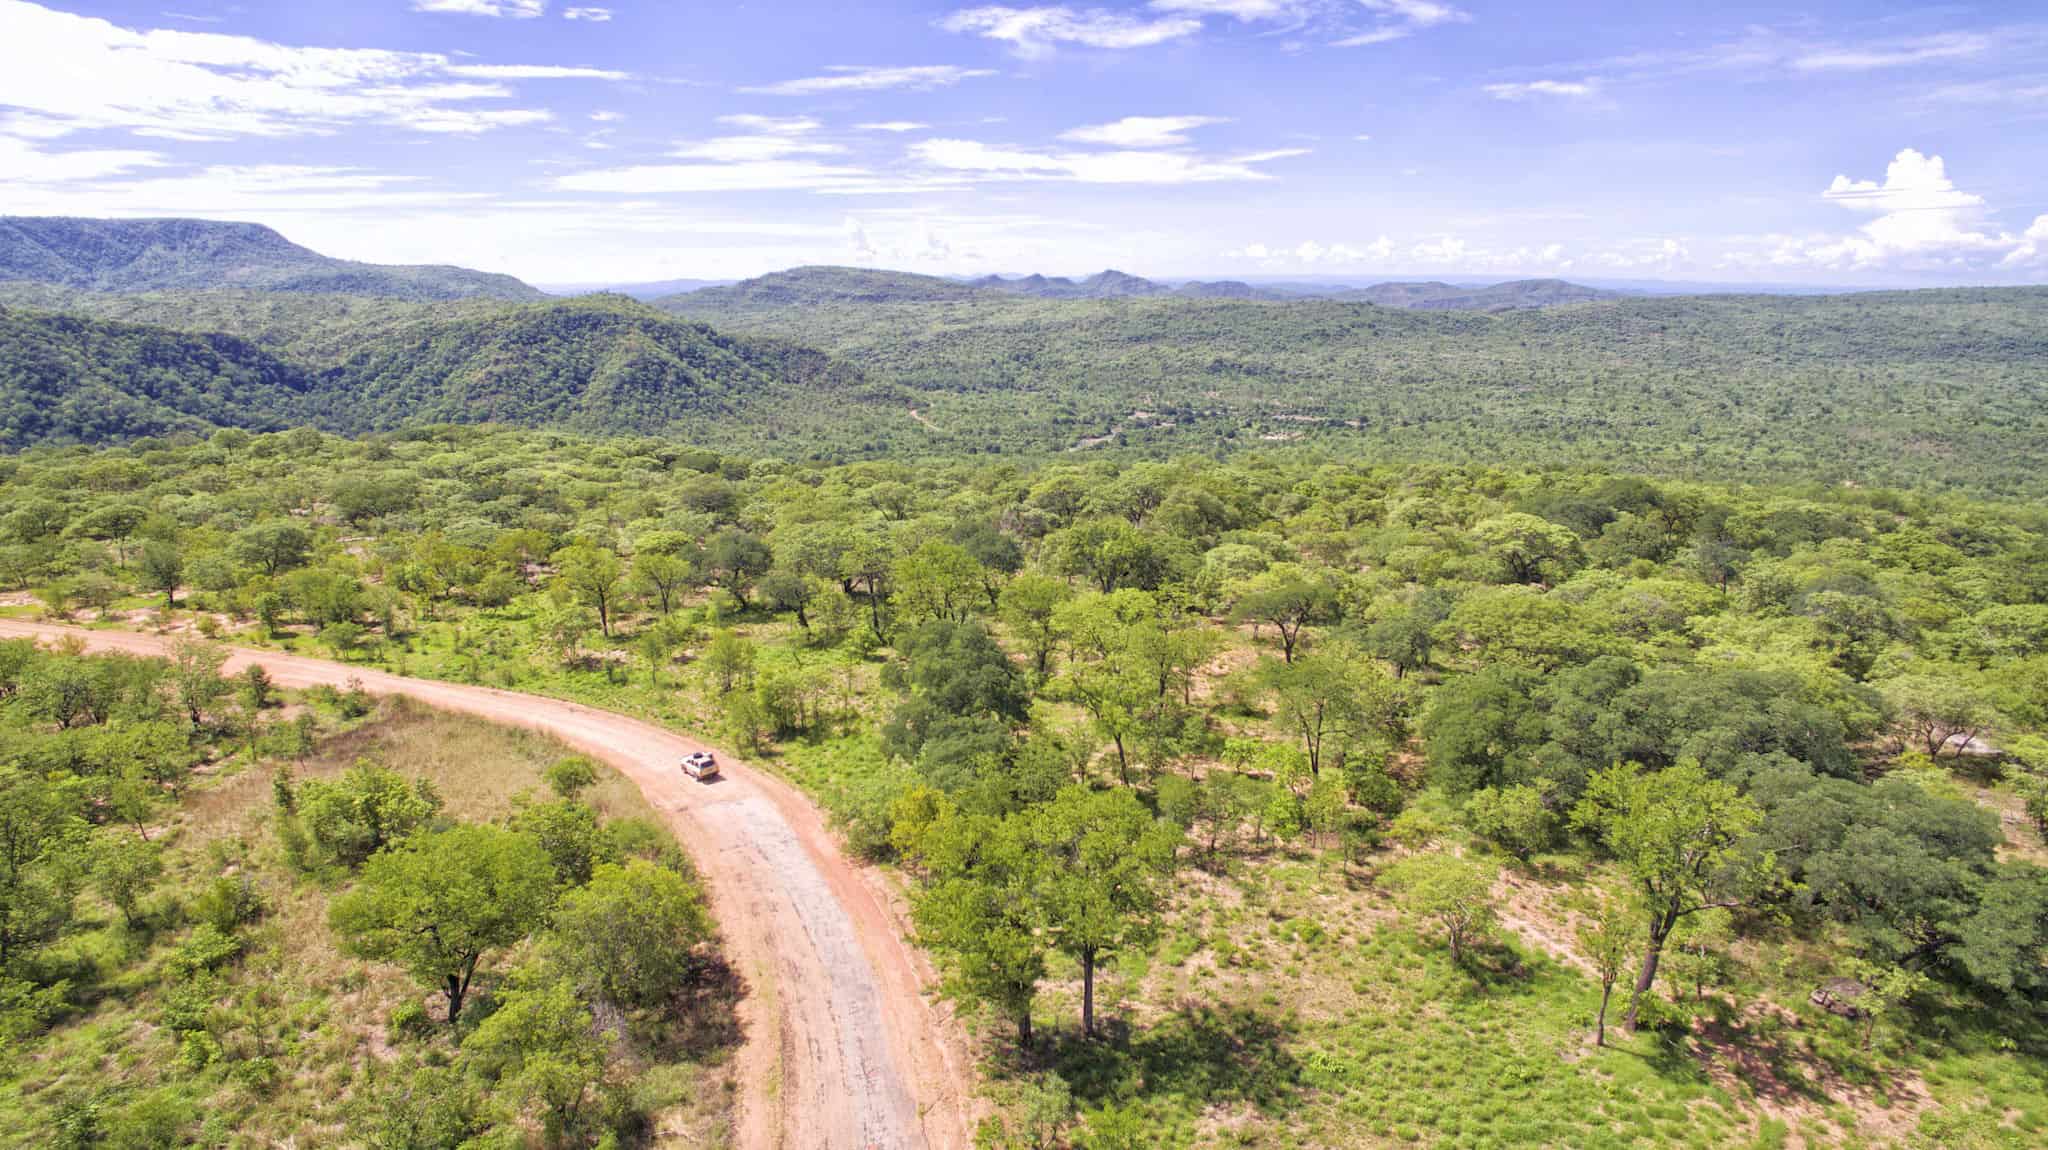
598	364
816	285
204	255
70	380
1493	297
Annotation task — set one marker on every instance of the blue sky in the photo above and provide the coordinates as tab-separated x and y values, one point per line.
1831	142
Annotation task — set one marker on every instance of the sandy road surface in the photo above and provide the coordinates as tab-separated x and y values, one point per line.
842	1050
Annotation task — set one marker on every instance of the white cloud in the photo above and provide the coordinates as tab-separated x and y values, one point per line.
897	126
1246	10
607	117
23	162
1142	131
64	73
747	176
240	192
2033	244
1919	212
593	15
1565	89
1037	31
1895	54
1402	18
854	78
1385	34
517	9
533	72
1362	138
1443	253
773	125
749	149
1420	13
1919	221
776	153
1125	167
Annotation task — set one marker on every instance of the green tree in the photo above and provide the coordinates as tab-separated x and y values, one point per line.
568	830
439	903
1677	831
1607	936
365	810
593	575
274	547
1455	894
116	524
633	934
1335	702
1102	862
39	826
571	776
542	1046
1029	604
1480	729
1528	549
1938	711
734	561
729	661
662	577
163	569
1288	599
195	674
938	581
124	870
1518	818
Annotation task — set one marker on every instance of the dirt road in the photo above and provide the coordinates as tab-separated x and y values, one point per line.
842	1048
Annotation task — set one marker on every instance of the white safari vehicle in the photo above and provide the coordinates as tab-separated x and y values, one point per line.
701	767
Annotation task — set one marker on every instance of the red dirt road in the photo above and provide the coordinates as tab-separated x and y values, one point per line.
842	1051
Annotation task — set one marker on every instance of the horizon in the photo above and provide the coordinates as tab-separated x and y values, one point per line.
1189	139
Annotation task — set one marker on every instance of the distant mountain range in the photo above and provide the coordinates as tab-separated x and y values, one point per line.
131	256
649	290
819	285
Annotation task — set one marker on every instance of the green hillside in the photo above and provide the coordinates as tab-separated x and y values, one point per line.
598	364
70	380
203	255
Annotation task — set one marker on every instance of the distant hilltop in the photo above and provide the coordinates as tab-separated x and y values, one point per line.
867	285
132	256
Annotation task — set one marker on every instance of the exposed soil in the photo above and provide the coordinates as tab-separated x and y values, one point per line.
843	1048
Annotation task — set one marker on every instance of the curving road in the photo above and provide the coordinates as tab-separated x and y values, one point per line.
842	1050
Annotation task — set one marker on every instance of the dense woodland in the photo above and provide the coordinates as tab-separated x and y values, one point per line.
1268	799
1938	391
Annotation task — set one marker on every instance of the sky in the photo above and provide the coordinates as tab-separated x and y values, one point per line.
1831	142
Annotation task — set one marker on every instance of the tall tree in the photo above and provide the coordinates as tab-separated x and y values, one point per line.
593	575
439	903
1288	599
1677	832
1102	860
1606	936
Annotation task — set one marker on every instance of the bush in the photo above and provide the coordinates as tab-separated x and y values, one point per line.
228	902
1517	818
207	948
410	1020
571	776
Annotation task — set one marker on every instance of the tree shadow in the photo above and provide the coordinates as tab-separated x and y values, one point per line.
702	1020
1215	1055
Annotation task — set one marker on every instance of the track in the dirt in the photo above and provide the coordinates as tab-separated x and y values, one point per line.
842	1049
